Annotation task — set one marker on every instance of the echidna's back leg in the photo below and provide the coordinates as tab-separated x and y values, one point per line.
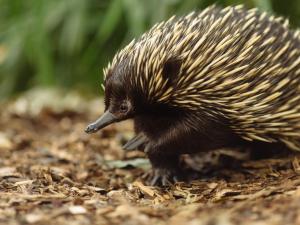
262	150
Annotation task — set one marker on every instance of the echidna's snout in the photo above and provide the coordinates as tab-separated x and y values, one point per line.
106	119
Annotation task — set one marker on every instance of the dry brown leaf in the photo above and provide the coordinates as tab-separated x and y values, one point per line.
76	209
6	172
5	142
144	189
225	193
296	165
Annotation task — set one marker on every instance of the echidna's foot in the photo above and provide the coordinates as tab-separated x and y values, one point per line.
163	177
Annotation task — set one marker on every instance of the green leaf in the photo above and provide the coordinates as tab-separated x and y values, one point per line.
137	163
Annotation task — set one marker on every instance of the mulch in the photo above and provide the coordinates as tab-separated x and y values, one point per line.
51	172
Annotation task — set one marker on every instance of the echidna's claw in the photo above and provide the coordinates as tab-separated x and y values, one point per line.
154	180
135	142
162	177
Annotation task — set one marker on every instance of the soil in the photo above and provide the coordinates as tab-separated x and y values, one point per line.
51	172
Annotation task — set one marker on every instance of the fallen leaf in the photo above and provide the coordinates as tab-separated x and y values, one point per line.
144	189
5	142
24	182
76	209
296	165
6	172
33	218
225	193
137	163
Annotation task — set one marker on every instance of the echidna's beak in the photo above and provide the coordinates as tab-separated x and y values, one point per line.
106	119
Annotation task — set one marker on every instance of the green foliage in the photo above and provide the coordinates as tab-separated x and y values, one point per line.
66	42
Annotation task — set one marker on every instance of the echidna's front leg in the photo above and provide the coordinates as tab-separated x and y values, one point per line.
165	167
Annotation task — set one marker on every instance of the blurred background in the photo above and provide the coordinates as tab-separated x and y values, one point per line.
66	43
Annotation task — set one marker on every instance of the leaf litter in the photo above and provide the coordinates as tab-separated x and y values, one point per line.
52	172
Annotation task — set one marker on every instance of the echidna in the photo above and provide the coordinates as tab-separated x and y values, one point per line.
219	78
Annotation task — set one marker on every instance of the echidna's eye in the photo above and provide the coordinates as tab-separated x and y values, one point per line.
124	107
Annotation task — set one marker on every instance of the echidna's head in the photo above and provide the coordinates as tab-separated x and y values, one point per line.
134	84
118	97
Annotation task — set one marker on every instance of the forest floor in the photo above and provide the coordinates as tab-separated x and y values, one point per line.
51	172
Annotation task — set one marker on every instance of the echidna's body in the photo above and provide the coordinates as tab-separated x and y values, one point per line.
215	79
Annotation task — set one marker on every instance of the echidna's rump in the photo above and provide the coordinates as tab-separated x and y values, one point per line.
218	76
